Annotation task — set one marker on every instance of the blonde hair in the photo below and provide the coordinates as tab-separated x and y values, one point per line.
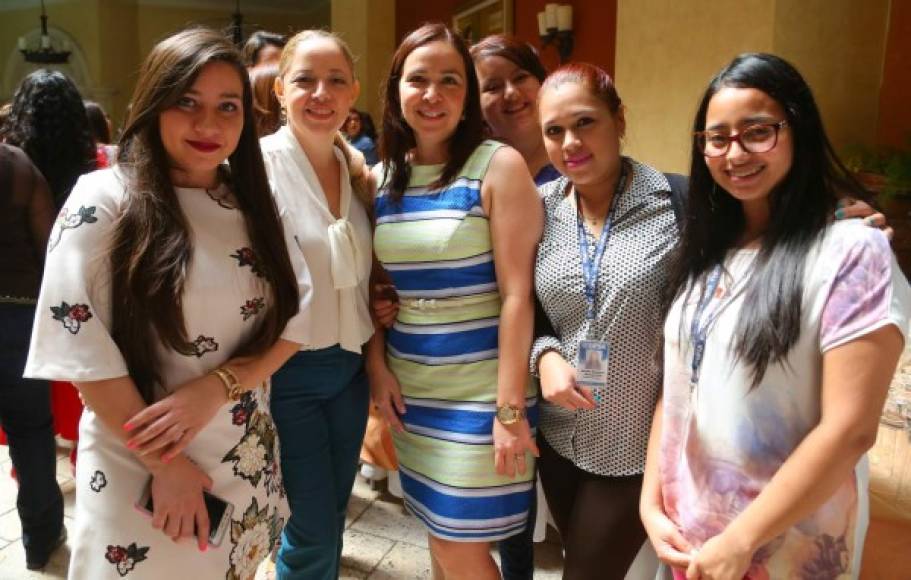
357	167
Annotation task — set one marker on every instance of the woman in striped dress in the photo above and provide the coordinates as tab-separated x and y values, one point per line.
458	220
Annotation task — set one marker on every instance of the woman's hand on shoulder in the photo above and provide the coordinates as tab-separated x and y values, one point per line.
179	507
855	208
170	424
558	383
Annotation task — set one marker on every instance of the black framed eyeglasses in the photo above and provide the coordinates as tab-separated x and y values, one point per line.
758	138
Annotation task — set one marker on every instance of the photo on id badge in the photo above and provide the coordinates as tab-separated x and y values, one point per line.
591	365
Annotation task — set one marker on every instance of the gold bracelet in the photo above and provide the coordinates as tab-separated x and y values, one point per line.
233	389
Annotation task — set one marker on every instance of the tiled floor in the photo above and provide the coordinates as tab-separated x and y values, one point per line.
382	541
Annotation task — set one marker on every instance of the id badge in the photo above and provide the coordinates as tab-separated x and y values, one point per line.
591	364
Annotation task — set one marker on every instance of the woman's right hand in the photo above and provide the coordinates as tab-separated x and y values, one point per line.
385	304
386	395
670	545
179	508
558	383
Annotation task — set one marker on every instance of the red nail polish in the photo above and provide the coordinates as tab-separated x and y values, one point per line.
128	426
131	445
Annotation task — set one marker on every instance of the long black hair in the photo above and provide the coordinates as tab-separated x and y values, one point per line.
153	245
801	206
48	121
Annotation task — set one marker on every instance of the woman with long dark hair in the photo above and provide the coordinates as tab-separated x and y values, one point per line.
48	121
158	271
780	344
457	222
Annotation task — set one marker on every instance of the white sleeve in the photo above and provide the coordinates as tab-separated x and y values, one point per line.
298	327
71	339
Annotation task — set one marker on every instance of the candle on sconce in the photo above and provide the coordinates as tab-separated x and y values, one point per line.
65	45
565	17
45	41
22	45
542	24
550	11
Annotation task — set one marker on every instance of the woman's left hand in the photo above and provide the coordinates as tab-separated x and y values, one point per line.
171	424
510	443
721	558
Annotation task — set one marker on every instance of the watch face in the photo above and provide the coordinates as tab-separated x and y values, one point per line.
507	414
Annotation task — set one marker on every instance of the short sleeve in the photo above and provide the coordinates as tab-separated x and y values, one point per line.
298	327
71	338
867	292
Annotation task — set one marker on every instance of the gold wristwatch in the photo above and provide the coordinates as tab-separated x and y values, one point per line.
510	414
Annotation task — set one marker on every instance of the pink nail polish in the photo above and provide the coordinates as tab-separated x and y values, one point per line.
131	445
128	426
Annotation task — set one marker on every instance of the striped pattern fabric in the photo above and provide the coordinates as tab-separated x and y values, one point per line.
443	349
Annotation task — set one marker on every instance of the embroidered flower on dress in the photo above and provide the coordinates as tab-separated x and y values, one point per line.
246	257
73	316
252	307
204	344
65	221
98	482
256	449
253	537
241	412
252	455
126	558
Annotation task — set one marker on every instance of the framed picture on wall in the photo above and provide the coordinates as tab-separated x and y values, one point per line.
479	18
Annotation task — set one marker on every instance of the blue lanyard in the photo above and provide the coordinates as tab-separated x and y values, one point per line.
591	264
699	330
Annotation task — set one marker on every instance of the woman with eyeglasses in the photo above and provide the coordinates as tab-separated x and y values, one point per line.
781	339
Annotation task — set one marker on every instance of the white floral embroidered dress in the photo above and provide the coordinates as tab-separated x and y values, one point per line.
223	299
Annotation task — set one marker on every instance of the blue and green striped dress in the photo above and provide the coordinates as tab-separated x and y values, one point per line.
443	348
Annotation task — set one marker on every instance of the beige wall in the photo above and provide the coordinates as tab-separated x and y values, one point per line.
839	47
667	51
368	26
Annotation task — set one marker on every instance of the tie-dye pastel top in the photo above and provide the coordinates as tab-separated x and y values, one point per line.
722	443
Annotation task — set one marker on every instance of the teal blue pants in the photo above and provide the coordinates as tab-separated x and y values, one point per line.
319	405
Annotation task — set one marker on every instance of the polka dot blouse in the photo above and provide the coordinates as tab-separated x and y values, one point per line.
612	438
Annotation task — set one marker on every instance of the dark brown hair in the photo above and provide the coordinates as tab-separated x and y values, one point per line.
266	109
593	78
152	245
258	41
516	51
398	138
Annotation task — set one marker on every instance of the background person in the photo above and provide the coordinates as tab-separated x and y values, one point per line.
263	48
359	135
266	109
26	215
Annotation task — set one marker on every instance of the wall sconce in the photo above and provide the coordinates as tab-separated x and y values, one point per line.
44	53
555	25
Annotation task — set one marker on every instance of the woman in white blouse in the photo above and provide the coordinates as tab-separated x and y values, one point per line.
320	397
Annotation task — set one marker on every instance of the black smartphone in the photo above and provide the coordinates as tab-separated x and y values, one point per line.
219	511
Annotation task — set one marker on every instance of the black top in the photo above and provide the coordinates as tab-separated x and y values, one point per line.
26	216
